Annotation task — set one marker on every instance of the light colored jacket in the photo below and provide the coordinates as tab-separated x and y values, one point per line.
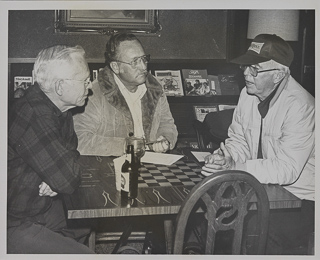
288	138
107	121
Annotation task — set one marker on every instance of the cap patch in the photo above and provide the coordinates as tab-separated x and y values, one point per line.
256	47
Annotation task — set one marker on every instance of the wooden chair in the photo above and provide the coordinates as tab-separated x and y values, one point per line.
214	128
224	197
120	240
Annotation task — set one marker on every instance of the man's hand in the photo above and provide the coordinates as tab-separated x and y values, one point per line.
161	145
217	157
218	161
45	190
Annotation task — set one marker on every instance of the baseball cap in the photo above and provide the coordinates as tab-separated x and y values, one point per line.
265	47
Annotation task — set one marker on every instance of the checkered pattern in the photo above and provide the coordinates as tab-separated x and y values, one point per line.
180	173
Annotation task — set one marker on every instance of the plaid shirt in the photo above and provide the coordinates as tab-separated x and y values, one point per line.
41	147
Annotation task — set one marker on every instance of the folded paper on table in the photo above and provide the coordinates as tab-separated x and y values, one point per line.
200	155
160	158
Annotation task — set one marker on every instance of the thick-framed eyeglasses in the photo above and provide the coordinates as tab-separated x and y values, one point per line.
253	70
87	82
145	59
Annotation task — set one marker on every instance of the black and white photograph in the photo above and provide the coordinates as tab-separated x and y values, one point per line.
196	82
110	104
170	81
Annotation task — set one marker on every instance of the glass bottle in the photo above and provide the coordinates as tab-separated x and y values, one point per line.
129	178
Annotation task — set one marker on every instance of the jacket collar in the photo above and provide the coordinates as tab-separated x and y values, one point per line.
149	101
281	87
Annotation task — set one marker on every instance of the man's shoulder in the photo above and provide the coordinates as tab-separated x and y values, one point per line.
26	106
154	87
152	82
105	82
24	114
19	109
297	95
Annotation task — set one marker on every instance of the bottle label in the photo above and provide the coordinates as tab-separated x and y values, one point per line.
125	181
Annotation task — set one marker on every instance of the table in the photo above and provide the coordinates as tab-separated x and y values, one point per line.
97	196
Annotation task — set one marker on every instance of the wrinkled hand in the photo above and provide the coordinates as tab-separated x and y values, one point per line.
217	157
161	145
45	190
218	161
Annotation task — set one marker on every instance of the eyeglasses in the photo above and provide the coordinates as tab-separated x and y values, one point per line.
145	59
87	82
253	70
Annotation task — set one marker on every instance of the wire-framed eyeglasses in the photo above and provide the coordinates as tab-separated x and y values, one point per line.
134	63
253	70
87	82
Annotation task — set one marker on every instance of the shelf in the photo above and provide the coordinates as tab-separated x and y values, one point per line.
181	107
225	99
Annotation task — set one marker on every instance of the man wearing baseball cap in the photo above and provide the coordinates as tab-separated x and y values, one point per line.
272	137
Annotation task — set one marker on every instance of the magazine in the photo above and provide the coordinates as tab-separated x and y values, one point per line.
21	84
224	107
202	111
228	84
196	83
214	84
171	82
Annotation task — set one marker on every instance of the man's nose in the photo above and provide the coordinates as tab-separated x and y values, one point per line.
246	71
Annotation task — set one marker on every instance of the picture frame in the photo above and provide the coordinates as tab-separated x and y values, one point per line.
107	21
202	111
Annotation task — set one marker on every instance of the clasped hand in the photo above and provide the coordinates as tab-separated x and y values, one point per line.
161	145
219	160
45	190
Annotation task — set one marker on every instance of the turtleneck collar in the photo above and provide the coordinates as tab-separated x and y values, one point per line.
263	106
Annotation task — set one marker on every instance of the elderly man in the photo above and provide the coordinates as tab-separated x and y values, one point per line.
42	155
126	99
272	137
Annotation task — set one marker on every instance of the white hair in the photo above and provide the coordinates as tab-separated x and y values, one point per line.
50	61
277	65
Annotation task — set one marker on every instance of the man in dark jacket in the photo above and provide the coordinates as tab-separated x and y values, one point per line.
42	155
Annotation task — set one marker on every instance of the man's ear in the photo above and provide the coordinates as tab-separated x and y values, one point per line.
59	87
278	76
115	67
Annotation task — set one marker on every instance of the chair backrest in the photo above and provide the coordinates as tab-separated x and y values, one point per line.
225	199
219	122
214	128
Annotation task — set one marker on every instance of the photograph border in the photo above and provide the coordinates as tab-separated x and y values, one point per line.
67	21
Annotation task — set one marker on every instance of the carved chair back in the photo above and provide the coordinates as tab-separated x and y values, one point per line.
225	198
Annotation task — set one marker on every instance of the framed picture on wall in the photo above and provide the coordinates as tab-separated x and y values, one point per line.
107	21
202	111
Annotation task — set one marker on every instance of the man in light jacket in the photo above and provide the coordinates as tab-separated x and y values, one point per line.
272	137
